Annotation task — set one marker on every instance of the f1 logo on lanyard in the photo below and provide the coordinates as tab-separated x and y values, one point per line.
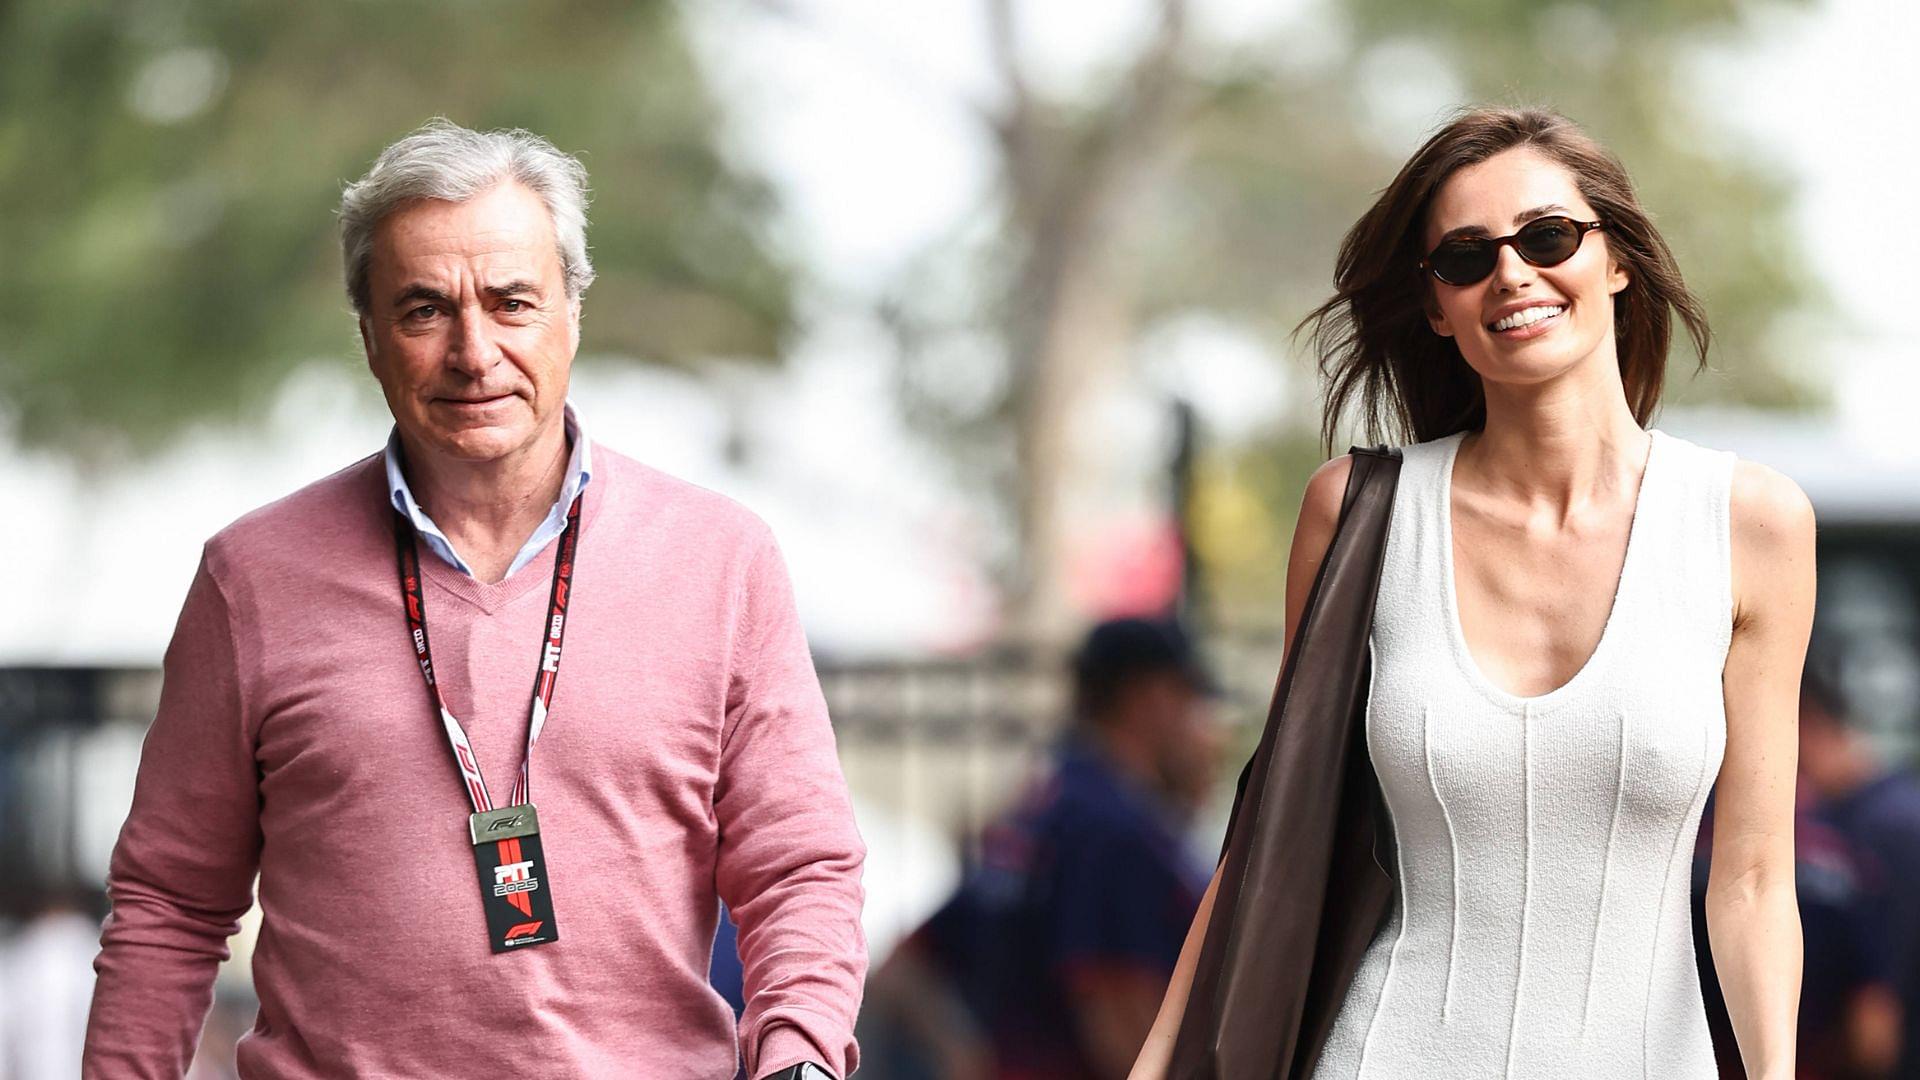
514	892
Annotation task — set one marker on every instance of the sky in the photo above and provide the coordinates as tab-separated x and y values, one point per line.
867	118
1831	92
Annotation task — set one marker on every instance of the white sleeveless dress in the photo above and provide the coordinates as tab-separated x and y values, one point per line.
1542	924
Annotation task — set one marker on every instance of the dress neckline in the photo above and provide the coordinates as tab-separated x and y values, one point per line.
1463	654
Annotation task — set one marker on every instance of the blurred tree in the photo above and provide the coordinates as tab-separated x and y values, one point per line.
1069	176
1217	178
170	172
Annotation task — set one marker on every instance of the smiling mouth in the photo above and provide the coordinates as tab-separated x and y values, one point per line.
1526	317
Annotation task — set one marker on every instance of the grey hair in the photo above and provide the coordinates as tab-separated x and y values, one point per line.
442	160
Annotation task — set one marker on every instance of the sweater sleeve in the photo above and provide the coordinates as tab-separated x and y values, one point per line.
790	856
181	875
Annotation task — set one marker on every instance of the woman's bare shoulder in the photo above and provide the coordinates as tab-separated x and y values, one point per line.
1767	506
1313	534
1326	490
1319	515
1771	525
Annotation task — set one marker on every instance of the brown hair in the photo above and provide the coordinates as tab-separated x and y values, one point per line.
1372	335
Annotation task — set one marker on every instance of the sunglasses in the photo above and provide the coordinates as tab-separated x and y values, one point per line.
1547	241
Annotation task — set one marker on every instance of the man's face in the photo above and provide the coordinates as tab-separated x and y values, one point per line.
469	328
1185	731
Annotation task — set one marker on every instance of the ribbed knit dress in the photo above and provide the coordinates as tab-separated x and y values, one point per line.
1542	926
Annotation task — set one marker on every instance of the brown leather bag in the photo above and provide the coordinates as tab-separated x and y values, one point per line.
1304	882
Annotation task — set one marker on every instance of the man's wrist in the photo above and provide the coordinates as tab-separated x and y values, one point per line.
806	1070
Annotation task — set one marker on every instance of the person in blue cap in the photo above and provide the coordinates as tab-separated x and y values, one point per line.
1050	958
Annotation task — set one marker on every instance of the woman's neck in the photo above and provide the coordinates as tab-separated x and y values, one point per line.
1560	443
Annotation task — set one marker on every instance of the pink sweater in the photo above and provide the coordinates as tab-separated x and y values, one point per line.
687	760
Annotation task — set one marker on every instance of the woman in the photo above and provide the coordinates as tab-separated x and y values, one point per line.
1582	625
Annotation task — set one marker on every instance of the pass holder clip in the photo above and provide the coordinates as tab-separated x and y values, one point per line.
506	823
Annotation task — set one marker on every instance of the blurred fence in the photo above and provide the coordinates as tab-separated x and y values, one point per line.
69	746
938	742
941	742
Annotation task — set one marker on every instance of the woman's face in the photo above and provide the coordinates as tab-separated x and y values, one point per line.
1495	198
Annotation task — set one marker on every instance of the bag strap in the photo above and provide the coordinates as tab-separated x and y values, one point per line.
1245	1015
1361	475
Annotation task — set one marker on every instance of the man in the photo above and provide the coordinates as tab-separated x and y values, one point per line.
1875	808
442	896
1051	958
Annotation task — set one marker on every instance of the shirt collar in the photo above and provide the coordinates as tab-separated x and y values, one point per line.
579	472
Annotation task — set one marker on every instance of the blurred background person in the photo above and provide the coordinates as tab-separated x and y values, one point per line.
45	984
1050	958
1856	826
1873	806
1849	1011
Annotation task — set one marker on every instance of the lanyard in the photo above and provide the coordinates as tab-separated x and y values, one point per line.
411	590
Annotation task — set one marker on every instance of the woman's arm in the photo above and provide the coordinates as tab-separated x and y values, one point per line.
1319	513
1753	920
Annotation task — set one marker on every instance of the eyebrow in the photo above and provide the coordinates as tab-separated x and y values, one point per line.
417	291
420	291
518	287
1542	210
1519	219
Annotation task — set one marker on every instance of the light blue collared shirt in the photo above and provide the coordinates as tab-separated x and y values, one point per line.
579	471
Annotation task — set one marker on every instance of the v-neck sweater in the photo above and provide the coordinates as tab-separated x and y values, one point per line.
687	760
1544	843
